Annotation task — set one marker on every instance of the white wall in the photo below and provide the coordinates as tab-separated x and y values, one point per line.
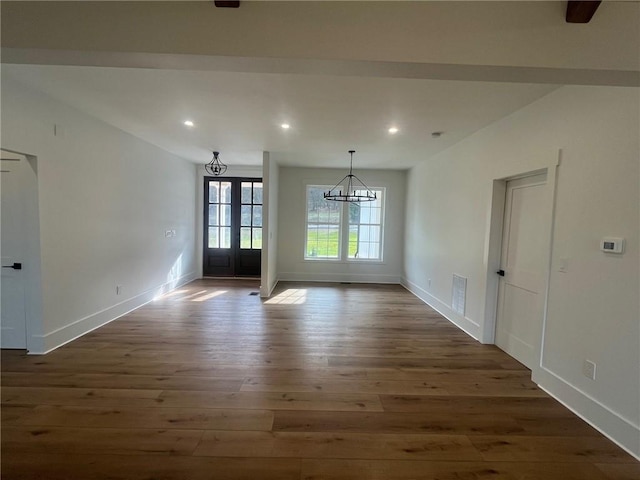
106	199
593	310
271	181
291	228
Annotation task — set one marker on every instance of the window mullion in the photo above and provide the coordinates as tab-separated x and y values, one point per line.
344	231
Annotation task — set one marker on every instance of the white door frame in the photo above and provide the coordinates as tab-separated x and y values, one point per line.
493	250
31	261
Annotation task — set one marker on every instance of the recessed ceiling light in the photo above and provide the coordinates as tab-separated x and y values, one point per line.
188	123
285	126
393	130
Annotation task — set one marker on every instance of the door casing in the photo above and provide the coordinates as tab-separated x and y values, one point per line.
31	266
232	262
493	247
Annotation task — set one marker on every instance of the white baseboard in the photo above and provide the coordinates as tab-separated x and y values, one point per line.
338	277
68	333
266	291
618	429
613	426
463	323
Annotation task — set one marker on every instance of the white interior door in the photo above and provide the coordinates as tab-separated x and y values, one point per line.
522	288
13	178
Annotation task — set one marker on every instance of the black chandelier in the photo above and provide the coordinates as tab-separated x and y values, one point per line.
356	190
215	166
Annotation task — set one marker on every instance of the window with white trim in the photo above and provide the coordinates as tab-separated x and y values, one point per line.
365	227
324	222
343	231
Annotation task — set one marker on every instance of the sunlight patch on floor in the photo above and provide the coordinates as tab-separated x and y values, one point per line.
292	296
194	295
209	296
174	293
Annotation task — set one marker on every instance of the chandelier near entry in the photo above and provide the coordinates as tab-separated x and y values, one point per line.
356	190
215	166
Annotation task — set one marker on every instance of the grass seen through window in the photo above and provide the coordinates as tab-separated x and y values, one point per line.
327	228
326	244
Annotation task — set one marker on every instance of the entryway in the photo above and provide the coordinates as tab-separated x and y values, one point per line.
232	227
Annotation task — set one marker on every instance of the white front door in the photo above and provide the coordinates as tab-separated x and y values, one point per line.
13	177
522	288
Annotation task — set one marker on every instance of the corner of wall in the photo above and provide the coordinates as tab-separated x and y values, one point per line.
267	290
463	323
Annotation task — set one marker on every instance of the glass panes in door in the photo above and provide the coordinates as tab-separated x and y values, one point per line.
219	214
251	215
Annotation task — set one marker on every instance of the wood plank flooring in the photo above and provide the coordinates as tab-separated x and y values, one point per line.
323	381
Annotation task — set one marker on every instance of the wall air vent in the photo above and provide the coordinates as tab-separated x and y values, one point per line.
459	294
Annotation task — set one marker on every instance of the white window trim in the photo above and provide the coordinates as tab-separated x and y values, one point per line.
380	259
306	229
343	245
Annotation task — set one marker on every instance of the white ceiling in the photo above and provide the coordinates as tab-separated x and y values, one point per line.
498	33
240	114
341	73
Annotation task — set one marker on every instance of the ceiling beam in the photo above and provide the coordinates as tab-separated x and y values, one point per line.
298	66
226	4
580	11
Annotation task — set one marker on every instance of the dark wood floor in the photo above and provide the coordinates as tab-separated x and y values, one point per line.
320	382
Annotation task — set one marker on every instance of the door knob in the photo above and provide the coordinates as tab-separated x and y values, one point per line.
500	272
15	266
